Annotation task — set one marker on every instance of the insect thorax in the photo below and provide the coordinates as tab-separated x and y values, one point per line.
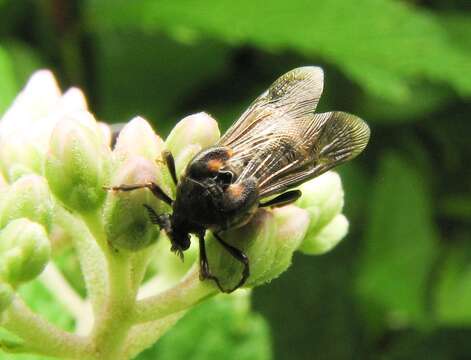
208	196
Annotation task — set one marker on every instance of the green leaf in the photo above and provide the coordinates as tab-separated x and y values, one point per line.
380	44
400	246
43	303
222	328
453	293
157	75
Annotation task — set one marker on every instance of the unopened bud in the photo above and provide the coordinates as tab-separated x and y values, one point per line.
327	238
138	138
128	225
195	132
24	251
78	162
269	241
323	199
28	197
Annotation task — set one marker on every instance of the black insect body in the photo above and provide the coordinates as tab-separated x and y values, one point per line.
276	145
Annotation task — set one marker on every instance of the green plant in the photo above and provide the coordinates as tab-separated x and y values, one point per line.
56	160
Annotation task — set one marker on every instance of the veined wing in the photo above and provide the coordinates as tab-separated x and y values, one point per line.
328	141
282	143
294	95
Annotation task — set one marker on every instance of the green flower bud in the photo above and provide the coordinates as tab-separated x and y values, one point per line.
327	238
28	197
138	138
19	155
78	162
6	296
127	221
24	251
196	131
323	198
269	241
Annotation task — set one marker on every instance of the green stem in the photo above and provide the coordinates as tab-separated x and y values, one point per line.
41	336
113	324
143	336
180	297
91	258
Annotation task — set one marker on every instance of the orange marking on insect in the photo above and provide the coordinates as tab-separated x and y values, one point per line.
230	152
214	165
235	190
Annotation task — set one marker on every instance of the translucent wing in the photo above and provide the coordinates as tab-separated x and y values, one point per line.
330	140
292	96
282	143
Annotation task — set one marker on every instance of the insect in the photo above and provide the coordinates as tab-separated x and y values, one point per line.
277	144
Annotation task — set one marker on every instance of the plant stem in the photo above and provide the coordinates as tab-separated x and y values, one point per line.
91	258
180	297
113	323
43	337
144	335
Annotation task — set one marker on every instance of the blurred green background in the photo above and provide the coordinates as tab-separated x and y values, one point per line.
399	285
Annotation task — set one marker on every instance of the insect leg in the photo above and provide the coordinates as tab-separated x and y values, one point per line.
170	162
240	256
286	198
205	273
156	190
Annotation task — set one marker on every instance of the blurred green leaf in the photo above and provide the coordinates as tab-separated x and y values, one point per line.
458	26
156	74
380	44
457	207
400	246
25	61
42	302
453	293
8	86
222	328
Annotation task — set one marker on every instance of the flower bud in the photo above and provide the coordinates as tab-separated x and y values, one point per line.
268	240
39	96
327	238
28	197
322	197
196	131
78	162
24	251
106	134
127	221
138	138
6	296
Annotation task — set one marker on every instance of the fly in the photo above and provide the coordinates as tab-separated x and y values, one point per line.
277	144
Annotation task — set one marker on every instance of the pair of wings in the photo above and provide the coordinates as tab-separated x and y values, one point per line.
281	142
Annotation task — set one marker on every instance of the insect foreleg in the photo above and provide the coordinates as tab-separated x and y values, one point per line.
170	162
238	255
153	187
286	198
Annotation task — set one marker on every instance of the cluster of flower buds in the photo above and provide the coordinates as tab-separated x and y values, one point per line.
56	159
